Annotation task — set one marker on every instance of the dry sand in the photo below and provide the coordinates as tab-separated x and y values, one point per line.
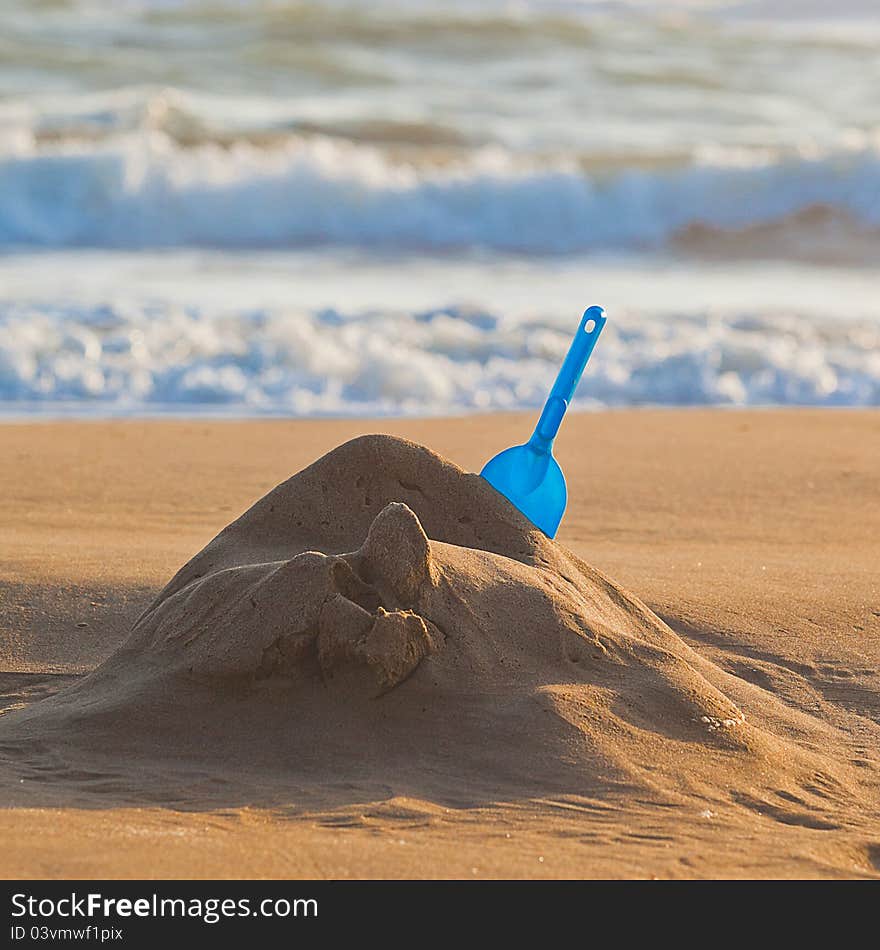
436	689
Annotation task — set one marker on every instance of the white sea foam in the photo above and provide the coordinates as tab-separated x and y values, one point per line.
155	357
362	163
144	191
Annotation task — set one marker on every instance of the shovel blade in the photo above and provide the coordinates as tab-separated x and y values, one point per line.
531	480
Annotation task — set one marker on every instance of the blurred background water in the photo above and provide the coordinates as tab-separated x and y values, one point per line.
312	208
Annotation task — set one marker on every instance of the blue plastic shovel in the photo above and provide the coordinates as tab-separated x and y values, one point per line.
528	475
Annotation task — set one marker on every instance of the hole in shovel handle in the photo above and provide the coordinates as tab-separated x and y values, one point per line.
589	326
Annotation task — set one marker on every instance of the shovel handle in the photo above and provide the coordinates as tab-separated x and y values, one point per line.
569	376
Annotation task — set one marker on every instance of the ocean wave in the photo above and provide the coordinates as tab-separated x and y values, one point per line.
155	357
143	191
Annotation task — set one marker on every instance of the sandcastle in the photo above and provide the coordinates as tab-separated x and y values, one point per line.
383	619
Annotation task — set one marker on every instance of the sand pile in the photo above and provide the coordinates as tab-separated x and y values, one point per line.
333	573
384	620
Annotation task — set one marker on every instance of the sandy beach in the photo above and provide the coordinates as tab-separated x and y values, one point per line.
277	279
752	534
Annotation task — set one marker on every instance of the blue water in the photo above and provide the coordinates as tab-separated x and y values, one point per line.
356	208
